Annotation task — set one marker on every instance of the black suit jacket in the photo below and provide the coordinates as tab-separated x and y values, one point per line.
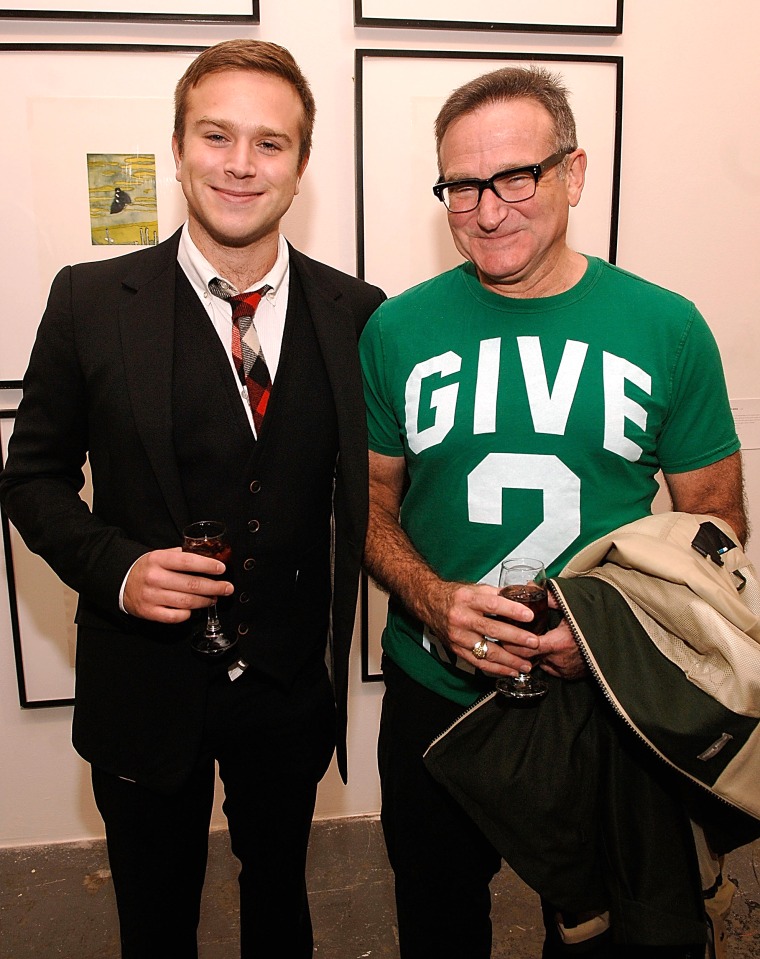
99	384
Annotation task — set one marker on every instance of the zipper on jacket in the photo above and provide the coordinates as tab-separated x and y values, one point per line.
581	643
470	709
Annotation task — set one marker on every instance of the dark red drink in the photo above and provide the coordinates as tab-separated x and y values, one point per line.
208	538
535	598
212	549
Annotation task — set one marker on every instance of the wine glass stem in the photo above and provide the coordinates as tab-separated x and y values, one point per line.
213	626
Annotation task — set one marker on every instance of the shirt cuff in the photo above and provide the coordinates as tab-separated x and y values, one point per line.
124	586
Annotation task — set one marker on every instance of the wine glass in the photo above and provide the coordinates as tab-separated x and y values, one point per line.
209	538
524	581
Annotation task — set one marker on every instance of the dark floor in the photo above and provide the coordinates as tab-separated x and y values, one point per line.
58	901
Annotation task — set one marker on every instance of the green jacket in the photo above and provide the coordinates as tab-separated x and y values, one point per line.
590	795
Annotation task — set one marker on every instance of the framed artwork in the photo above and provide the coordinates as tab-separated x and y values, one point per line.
37	609
152	11
93	124
402	232
539	16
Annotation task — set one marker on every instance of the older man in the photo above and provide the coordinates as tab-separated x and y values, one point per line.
520	404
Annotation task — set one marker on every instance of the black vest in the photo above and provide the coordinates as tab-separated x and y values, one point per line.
274	494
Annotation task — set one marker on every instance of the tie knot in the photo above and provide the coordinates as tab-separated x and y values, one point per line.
243	304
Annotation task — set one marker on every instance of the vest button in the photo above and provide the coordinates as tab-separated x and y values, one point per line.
255	486
244	598
253	526
242	629
249	563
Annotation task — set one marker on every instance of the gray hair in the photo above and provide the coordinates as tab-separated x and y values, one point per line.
512	83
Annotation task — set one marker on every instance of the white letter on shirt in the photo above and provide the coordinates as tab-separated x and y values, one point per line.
444	400
487	387
550	410
618	407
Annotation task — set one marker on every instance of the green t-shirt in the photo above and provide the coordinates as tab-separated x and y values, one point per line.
532	426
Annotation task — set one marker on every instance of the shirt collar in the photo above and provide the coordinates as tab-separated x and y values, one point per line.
199	271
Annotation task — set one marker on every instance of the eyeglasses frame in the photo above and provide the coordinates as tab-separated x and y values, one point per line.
536	170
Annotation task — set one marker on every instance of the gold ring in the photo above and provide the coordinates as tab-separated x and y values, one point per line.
480	649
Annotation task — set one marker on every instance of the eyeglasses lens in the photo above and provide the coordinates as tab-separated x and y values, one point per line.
513	187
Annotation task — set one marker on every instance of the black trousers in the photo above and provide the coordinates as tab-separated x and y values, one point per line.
272	747
442	862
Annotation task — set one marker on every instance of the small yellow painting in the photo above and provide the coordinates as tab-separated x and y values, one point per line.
123	207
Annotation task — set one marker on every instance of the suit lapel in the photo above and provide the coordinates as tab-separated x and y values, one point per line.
146	321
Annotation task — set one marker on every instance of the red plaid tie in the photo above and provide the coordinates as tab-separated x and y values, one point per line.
246	349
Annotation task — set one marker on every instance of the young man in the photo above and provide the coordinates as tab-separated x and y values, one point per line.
137	365
520	404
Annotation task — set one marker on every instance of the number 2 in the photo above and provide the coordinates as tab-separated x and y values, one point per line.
561	490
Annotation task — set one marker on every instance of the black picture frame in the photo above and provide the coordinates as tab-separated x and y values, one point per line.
35	689
388	238
40	12
613	24
371	601
33	589
69	100
387	112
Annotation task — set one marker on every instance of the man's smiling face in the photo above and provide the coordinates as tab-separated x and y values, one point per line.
239	160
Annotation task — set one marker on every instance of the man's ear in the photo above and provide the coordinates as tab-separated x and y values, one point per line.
302	168
177	154
575	176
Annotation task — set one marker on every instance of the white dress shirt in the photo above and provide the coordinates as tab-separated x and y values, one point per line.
270	313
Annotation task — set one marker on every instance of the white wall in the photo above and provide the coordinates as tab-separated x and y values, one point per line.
690	202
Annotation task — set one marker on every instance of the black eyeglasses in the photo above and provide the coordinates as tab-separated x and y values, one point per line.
512	186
